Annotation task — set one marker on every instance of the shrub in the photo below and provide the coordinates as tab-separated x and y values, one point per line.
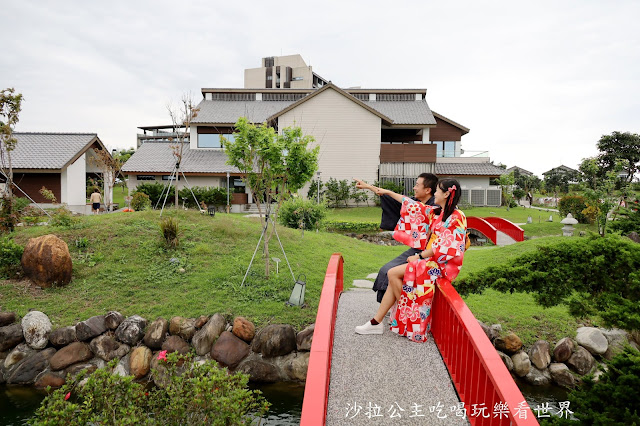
20	204
48	195
209	195
140	201
10	256
312	193
154	191
519	193
628	219
574	204
398	188
195	394
61	216
346	226
295	211
170	230
337	192
8	216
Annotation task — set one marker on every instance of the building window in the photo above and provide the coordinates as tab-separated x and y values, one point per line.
169	177
269	77
212	140
145	177
445	148
297	78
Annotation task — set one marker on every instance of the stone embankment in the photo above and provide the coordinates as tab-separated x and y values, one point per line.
32	353
566	362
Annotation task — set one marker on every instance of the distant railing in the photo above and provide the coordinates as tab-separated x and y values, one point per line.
478	373
316	390
483	226
507	227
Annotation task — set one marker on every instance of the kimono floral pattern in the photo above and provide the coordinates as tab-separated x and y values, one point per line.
411	315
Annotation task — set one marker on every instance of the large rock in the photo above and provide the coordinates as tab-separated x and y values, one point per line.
201	321
203	339
275	340
140	362
72	354
46	261
295	366
10	336
508	362
538	377
18	353
36	328
26	372
113	319
305	338
592	340
563	349
617	340
539	354
521	364
49	379
633	236
509	344
156	333
108	348
131	330
229	350
183	327
259	370
581	361
7	318
90	367
90	328
122	369
176	344
63	336
244	329
561	375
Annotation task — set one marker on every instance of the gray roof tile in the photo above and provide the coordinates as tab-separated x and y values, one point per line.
405	112
157	157
468	169
230	111
47	150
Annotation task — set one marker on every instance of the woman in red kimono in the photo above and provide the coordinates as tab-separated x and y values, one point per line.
413	285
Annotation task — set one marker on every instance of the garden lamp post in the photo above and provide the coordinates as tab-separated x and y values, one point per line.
297	295
318	188
228	192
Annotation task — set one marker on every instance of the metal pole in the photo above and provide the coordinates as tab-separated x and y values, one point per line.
228	207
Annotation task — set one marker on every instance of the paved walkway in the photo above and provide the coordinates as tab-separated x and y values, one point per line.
375	377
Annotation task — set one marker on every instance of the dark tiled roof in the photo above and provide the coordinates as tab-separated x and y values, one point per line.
230	111
468	169
157	157
405	112
48	150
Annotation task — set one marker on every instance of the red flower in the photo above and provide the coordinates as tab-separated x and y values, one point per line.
67	396
162	355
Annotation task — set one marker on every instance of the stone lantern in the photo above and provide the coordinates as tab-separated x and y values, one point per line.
568	222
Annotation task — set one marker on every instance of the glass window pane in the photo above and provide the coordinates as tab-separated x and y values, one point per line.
449	149
208	140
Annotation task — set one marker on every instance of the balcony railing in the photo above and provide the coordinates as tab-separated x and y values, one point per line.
407	153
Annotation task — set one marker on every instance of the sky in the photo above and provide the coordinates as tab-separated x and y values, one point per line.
537	83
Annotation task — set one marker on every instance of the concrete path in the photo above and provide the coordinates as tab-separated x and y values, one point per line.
385	379
503	239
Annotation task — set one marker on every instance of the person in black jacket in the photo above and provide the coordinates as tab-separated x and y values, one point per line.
423	191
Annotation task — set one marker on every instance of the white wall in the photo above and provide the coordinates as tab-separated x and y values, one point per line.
73	185
193	137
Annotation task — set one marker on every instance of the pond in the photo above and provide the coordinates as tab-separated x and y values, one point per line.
18	403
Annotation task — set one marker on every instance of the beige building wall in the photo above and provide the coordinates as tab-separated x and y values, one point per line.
256	77
348	135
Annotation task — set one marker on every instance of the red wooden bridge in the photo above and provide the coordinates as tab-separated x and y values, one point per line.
474	367
500	231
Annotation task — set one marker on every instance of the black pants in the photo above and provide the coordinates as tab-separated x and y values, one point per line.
382	281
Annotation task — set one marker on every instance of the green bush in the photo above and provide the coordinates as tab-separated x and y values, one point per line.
61	216
346	226
398	188
154	191
295	211
628	219
338	192
593	275
20	203
209	195
574	204
194	394
170	232
10	255
140	201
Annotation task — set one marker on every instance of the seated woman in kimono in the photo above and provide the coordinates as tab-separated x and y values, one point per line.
412	286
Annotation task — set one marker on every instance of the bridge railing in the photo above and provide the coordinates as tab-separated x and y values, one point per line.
483	226
478	373
316	390
506	226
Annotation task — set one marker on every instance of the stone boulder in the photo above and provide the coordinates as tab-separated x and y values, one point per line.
561	375
107	347
113	319
49	379
176	344
295	366
201	321
633	236
617	340
74	353
538	377
592	340
18	353
205	337
90	328
563	349
122	369
90	367
581	361
131	330
508	362
244	329
275	340
46	261
36	328
156	333
183	327
10	336
63	336
305	338
521	364
509	344
140	362
229	350
25	372
259	370
539	354
7	318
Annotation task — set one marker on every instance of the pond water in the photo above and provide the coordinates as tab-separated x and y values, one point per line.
18	403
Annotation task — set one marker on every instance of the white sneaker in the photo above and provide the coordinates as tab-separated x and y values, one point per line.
368	328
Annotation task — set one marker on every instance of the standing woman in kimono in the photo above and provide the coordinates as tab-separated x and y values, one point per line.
413	285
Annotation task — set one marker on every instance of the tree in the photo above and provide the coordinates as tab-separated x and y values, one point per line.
181	118
505	182
590	172
10	106
274	165
111	168
623	147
